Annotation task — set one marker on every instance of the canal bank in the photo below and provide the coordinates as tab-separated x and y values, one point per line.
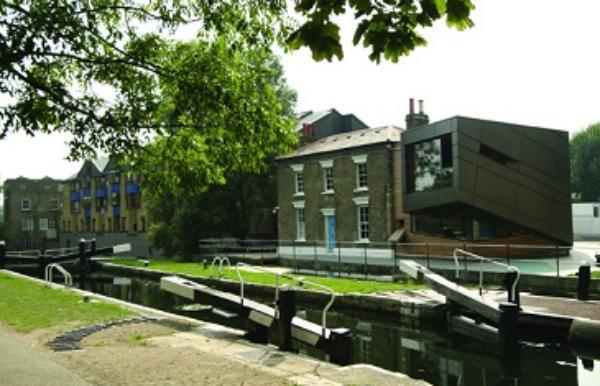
542	317
182	350
411	306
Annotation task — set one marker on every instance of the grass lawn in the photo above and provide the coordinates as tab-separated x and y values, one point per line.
595	274
27	306
340	285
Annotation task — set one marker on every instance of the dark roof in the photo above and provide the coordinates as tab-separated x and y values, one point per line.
310	117
348	140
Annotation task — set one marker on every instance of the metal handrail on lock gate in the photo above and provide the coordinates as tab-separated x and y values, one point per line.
509	268
299	281
48	274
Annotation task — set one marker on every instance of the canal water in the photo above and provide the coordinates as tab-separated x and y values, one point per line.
420	352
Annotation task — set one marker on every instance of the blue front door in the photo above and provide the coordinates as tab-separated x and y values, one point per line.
330	224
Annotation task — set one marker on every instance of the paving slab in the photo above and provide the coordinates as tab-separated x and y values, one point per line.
22	364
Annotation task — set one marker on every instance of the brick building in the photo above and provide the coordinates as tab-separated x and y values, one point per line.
32	210
340	189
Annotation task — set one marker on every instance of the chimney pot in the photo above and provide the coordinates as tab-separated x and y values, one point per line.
411	106
421	106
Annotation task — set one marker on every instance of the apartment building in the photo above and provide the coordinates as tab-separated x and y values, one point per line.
104	201
32	210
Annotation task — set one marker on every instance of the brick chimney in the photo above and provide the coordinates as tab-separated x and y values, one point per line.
415	119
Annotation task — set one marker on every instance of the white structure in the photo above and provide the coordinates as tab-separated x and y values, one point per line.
586	220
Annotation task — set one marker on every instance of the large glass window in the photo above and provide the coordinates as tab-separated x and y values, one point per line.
25	204
363	223
460	223
328	176
26	224
43	224
429	164
54	205
299	183
300	224
361	175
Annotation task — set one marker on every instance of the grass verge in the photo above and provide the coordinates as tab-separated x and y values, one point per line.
340	285
27	306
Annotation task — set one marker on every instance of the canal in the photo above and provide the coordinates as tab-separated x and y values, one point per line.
422	352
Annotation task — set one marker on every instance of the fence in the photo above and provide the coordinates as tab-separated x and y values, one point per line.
366	258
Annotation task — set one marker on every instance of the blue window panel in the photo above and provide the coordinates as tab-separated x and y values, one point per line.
75	196
117	211
87	192
101	193
87	213
116	187
132	188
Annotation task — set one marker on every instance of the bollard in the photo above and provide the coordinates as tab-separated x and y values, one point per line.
42	267
509	279
2	253
286	306
340	347
366	266
511	362
258	333
583	281
315	250
508	326
82	264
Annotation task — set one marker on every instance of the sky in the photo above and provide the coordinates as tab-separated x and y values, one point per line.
533	62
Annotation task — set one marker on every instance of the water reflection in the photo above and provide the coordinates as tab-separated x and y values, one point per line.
418	351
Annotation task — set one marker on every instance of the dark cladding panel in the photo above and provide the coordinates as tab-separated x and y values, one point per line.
495	188
538	156
528	173
470	127
548	138
503	138
467	142
467	175
562	170
534	205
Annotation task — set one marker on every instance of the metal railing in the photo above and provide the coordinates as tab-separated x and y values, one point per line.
25	253
220	260
356	258
60	251
300	281
48	274
509	268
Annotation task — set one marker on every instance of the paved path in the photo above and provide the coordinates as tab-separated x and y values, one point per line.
21	364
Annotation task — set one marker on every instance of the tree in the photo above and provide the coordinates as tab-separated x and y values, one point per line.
93	68
229	114
585	163
389	28
241	209
234	198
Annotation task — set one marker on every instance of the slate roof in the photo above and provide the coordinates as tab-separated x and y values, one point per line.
348	140
311	117
98	166
100	163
